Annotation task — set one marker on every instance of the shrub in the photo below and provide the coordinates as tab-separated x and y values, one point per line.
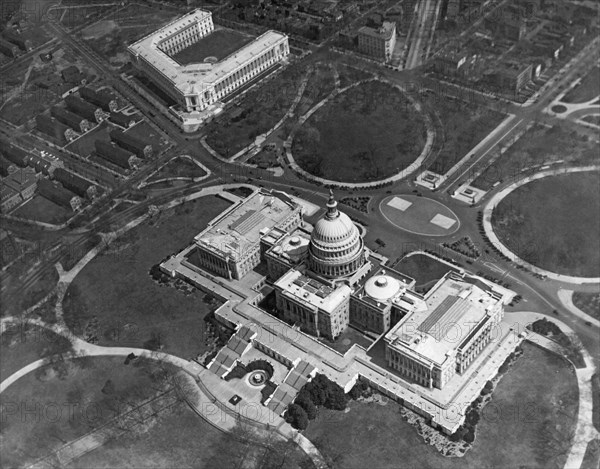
358	390
296	417
303	400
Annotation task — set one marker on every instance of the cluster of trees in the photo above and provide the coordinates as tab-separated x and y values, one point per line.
545	327
505	366
466	431
321	391
464	246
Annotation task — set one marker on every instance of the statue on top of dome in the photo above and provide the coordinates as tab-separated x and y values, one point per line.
332	211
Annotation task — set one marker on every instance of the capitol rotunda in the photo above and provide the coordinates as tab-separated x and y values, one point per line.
336	247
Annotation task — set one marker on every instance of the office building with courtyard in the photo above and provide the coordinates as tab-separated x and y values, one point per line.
198	86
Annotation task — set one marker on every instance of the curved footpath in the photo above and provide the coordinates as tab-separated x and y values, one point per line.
584	430
566	298
489	229
197	399
414	166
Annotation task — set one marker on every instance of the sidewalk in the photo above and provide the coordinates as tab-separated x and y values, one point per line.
404	173
489	230
584	430
566	298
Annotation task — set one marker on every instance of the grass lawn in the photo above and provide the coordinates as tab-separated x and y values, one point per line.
587	89
258	112
41	209
111	36
596	400
460	126
23	344
346	340
350	75
28	103
265	159
128	306
528	423
591	459
68	401
540	145
75	17
178	167
424	269
14	299
182	439
552	223
589	303
367	133
321	82
220	43
592	119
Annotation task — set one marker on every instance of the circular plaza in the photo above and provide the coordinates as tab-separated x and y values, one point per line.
366	133
549	223
419	215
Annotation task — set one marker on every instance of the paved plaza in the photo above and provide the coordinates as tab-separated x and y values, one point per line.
419	215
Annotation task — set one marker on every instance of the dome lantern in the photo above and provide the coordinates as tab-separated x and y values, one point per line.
332	211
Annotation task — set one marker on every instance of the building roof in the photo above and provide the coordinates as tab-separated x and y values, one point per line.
101	98
385	32
191	78
6	192
21	179
292	247
113	153
454	308
239	229
128	139
73	119
55	192
81	107
72	181
15	154
312	291
6	166
121	119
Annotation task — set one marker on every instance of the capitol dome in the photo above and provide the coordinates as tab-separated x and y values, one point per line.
336	248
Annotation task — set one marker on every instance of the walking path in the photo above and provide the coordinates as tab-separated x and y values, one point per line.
489	229
584	430
199	398
253	147
362	185
566	298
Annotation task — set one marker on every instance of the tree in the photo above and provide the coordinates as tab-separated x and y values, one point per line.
329	393
303	400
336	398
316	392
296	417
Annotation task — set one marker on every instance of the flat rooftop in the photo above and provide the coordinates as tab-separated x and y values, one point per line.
190	78
292	247
385	31
239	229
454	309
313	292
